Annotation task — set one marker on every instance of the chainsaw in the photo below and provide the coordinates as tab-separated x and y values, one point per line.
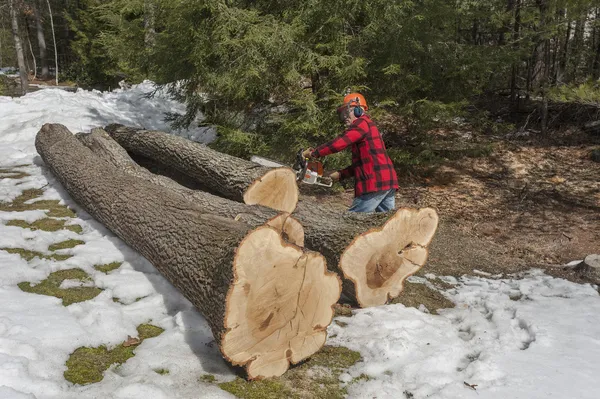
308	172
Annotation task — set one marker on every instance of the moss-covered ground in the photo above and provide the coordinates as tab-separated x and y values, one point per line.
318	378
51	287
108	267
53	208
415	294
87	365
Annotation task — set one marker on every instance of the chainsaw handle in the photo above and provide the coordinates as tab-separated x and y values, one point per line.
301	165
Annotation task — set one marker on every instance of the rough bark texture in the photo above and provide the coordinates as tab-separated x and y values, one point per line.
18	46
219	264
228	176
41	40
110	151
332	232
590	267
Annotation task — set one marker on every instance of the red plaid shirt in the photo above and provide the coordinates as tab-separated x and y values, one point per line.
371	167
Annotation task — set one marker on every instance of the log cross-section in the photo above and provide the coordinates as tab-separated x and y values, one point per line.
228	176
267	302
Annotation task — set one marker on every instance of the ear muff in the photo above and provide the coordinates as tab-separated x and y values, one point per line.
358	111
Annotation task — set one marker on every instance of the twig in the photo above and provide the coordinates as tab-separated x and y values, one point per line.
470	386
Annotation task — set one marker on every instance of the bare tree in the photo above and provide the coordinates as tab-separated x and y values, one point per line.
31	50
18	46
41	39
54	39
149	22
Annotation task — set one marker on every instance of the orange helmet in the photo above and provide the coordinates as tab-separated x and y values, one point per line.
355	99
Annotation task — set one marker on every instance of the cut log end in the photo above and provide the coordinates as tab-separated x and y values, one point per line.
379	261
279	305
277	189
291	230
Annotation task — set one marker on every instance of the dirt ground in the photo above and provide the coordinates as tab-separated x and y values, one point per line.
531	203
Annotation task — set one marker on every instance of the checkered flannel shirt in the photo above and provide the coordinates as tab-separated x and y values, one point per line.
371	167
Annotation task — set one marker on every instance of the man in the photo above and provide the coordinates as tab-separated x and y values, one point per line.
375	178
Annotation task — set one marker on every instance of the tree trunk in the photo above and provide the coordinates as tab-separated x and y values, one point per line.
514	96
596	62
268	302
374	254
149	22
545	63
32	55
231	177
107	149
18	46
41	41
589	268
54	39
565	52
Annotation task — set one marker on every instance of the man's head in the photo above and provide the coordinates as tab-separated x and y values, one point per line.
354	107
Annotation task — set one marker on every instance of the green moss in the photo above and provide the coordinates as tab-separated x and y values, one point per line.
415	295
46	224
265	389
51	287
53	207
317	378
109	267
87	365
208	378
161	371
344	310
149	331
29	255
12	174
65	245
362	377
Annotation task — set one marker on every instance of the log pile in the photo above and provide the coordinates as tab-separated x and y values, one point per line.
268	302
374	254
262	266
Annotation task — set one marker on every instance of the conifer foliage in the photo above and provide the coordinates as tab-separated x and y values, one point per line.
269	74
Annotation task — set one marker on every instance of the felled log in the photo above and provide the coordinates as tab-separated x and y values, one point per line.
267	302
223	174
374	254
592	128
589	267
107	149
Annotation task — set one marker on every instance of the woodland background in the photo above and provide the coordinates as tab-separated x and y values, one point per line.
269	74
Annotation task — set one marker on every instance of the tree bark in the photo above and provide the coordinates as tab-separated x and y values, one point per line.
149	23
589	268
228	176
41	41
18	46
374	254
267	302
514	96
32	55
54	39
107	149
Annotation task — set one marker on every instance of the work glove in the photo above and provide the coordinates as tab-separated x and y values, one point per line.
308	152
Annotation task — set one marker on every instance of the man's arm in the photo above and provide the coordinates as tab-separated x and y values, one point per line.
350	136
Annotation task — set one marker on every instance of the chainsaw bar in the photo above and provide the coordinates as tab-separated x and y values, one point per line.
269	163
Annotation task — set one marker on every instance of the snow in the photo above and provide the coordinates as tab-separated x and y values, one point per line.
544	342
528	336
